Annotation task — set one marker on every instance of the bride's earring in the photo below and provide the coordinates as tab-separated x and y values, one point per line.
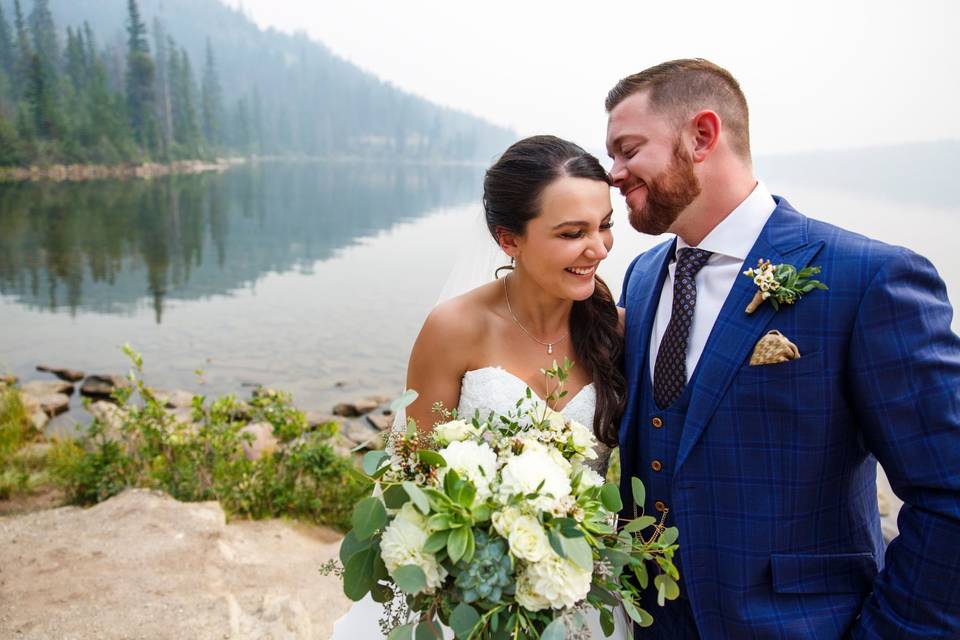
507	267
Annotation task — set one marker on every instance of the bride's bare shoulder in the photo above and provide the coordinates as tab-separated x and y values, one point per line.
462	319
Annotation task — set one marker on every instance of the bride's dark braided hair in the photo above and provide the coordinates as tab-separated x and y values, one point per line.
511	198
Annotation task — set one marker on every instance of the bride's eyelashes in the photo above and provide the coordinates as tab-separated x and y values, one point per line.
579	234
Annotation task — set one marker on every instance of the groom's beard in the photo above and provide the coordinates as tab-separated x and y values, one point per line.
667	195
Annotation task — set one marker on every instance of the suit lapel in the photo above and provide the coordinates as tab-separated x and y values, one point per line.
642	306
783	239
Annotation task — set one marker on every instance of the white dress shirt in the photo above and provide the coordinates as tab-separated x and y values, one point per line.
730	242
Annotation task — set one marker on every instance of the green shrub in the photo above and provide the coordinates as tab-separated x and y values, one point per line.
145	446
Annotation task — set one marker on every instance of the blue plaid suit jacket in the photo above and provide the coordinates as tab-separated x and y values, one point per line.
774	486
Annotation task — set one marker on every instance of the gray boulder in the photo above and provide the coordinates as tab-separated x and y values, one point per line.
70	375
176	399
102	385
263	442
53	404
381	422
46	387
355	409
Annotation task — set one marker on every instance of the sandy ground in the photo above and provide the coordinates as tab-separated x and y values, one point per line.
143	565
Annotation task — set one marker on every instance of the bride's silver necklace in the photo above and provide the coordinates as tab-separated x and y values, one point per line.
548	345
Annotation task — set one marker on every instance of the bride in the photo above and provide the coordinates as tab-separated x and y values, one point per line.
547	205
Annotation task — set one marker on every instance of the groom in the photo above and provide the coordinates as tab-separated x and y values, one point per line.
769	469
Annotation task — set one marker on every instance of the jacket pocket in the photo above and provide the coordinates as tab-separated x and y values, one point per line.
771	373
823	573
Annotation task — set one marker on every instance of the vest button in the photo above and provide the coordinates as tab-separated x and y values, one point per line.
659	506
656	465
657	422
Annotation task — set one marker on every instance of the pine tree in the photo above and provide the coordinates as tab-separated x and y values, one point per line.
40	95
140	80
45	37
212	101
24	52
185	110
241	127
164	46
8	54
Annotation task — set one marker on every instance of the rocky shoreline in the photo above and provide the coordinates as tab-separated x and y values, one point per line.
80	172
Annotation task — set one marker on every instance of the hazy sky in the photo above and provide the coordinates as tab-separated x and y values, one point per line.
817	74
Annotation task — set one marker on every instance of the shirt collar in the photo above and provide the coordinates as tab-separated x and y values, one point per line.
738	232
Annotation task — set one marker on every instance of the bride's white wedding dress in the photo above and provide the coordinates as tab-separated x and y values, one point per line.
490	389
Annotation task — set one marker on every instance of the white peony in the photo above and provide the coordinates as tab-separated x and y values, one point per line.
583	440
454	431
475	461
528	540
402	544
524	473
557	581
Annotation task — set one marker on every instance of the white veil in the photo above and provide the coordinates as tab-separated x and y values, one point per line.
477	260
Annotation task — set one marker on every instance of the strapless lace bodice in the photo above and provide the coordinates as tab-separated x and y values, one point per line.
496	389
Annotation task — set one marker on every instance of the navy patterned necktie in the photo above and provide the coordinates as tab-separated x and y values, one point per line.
670	368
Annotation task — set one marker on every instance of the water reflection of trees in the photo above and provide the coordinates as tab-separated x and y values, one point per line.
110	246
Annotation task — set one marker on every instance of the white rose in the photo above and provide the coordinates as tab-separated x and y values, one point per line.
558	581
524	473
503	520
588	478
528	540
475	461
402	544
454	431
555	420
583	440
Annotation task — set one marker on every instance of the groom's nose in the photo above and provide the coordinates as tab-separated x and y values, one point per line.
618	173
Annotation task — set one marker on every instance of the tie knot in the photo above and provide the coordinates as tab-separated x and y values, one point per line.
690	260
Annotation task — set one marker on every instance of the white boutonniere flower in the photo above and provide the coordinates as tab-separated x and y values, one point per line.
781	284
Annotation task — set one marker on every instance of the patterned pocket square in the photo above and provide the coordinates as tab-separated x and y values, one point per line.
772	349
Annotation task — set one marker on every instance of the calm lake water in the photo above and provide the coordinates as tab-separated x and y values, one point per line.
309	277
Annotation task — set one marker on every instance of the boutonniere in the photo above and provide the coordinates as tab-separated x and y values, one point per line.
780	284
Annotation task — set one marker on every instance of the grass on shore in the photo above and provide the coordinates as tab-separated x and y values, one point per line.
142	444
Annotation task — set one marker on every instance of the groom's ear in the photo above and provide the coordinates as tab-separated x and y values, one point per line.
706	134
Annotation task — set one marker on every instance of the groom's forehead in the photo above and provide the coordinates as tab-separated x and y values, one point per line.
634	116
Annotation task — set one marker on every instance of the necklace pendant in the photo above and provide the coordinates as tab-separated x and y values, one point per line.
549	349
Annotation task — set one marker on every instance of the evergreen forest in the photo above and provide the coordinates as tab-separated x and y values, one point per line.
120	81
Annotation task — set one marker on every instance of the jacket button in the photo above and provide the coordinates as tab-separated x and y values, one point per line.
656	465
659	506
657	422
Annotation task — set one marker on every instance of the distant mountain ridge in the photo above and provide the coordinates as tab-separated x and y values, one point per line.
312	102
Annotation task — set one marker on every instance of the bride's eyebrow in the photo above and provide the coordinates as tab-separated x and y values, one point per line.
579	223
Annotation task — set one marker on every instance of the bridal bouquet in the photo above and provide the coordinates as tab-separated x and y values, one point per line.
494	527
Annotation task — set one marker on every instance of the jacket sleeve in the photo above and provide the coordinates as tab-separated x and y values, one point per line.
904	366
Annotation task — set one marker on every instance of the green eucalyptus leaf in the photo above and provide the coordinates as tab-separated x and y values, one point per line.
419	497
639	524
556	542
368	516
410	578
358	574
667	586
381	593
403	401
372	461
463	619
404	632
428	630
431	458
669	535
395	497
639	492
556	630
351	545
638	615
606	622
640	571
610	497
578	550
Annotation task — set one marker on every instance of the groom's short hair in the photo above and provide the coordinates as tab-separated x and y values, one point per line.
680	88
